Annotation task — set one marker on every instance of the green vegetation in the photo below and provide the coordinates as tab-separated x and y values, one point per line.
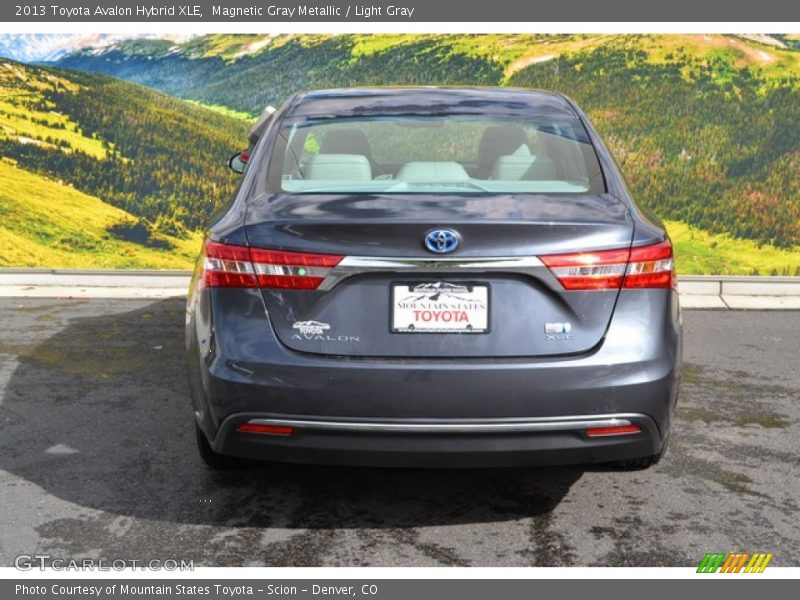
145	47
224	110
699	252
706	127
699	141
227	47
156	157
247	72
46	223
26	118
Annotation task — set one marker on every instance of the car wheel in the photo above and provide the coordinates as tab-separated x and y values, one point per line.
644	462
213	460
638	464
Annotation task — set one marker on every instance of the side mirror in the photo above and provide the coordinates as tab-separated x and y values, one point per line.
238	161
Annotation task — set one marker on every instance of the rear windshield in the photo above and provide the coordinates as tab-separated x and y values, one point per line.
429	154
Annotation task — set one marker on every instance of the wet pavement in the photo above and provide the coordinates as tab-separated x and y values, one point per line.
97	459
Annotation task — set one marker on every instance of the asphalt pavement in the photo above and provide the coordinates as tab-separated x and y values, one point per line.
97	459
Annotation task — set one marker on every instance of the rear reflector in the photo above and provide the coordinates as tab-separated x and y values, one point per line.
284	430
615	430
226	265
642	267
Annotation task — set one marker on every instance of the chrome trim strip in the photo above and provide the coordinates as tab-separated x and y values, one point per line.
492	262
495	426
356	265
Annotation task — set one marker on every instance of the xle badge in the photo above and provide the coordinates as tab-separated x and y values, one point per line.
557	332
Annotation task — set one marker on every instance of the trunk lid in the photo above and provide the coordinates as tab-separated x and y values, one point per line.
527	311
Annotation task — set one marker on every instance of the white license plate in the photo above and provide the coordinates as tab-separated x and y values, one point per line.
440	307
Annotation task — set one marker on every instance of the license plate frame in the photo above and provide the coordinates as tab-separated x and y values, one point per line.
454	297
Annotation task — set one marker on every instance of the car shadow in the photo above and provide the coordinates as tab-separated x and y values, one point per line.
98	415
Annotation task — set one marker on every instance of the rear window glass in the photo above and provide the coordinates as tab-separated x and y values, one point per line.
428	154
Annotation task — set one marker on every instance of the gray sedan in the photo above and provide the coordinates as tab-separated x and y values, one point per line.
433	277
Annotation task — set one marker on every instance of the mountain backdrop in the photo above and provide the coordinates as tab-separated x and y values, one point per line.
101	172
705	128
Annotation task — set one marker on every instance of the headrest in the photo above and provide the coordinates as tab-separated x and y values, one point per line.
432	171
497	141
345	141
341	167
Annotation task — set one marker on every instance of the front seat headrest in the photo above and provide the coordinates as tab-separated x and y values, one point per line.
346	141
497	141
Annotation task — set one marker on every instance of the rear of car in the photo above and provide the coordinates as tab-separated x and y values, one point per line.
433	277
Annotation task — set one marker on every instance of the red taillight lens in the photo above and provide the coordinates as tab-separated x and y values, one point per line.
614	430
643	267
589	270
651	267
265	429
225	265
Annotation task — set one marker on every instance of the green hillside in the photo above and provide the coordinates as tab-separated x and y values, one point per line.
154	156
698	252
97	172
706	127
246	72
44	223
699	142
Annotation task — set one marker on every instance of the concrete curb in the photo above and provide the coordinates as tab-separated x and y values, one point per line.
741	293
697	292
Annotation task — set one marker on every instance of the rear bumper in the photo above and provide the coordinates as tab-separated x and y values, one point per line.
239	371
472	443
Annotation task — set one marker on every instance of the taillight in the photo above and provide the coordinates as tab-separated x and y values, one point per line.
642	267
226	265
651	267
602	270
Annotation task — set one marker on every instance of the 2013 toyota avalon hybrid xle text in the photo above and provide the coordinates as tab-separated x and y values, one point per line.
433	277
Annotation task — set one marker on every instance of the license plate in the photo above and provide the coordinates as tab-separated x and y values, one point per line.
440	307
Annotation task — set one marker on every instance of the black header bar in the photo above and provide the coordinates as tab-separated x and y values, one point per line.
468	11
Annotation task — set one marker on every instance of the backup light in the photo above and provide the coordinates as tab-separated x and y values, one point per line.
649	266
227	265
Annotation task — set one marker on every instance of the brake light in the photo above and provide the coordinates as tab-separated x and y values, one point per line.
651	267
642	267
226	265
602	270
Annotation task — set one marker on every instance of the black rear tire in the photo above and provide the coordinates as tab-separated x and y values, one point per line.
214	460
644	462
638	464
